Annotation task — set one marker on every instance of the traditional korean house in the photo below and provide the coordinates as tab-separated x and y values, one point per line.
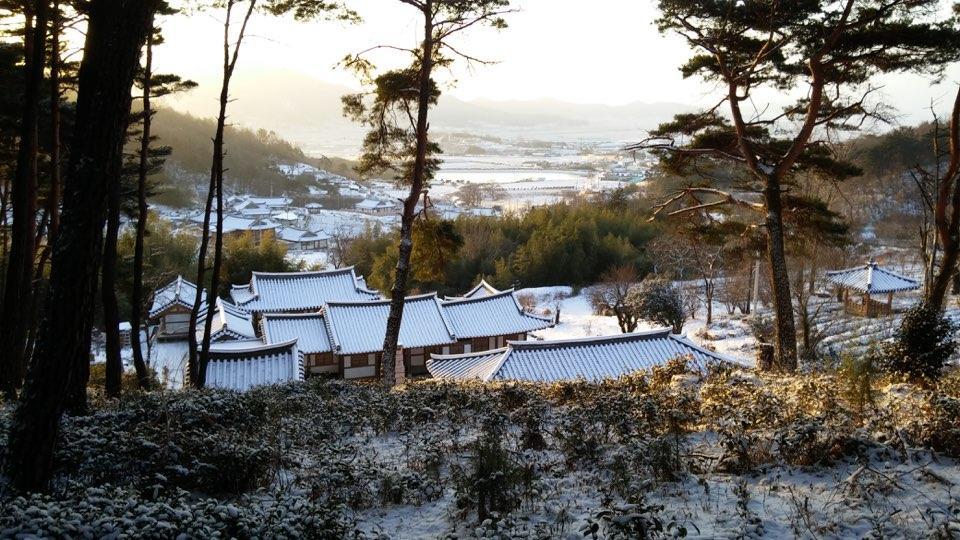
375	207
479	290
300	292
313	341
259	228
487	320
125	330
314	208
229	323
242	365
857	288
300	240
591	359
275	203
169	317
357	331
170	310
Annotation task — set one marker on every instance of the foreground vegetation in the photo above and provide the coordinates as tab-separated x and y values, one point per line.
664	453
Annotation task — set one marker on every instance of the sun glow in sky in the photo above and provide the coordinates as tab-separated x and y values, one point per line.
601	51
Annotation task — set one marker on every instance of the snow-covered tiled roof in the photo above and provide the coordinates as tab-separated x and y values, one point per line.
254	211
280	292
308	329
229	322
273	202
360	327
289	234
239	224
178	292
592	359
373	204
479	290
285	216
871	278
469	366
242	365
496	314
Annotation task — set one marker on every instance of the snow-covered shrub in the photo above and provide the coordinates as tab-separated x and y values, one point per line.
493	480
107	511
632	521
857	377
922	345
660	302
939	427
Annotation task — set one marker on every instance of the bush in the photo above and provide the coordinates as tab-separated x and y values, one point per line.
857	377
659	302
922	346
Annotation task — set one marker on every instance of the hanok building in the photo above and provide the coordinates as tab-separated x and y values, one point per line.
353	345
313	340
591	359
229	323
486	320
300	240
170	310
300	292
375	207
259	228
357	331
242	365
479	290
170	317
857	287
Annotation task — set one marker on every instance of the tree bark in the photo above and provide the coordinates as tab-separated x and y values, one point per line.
115	34
399	290
18	289
137	307
108	290
785	336
947	214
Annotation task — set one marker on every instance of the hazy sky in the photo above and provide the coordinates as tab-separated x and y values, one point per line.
610	53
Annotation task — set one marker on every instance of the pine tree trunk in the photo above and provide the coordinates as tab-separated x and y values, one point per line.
18	285
947	214
193	358
399	290
115	34
785	335
216	179
108	291
136	308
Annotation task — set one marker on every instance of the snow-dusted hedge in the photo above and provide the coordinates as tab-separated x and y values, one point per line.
611	460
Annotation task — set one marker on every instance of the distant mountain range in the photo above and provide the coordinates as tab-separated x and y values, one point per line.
308	111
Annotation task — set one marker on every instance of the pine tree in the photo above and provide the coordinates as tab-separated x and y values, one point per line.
116	32
833	50
396	110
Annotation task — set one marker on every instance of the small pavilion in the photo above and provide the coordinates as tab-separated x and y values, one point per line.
857	287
